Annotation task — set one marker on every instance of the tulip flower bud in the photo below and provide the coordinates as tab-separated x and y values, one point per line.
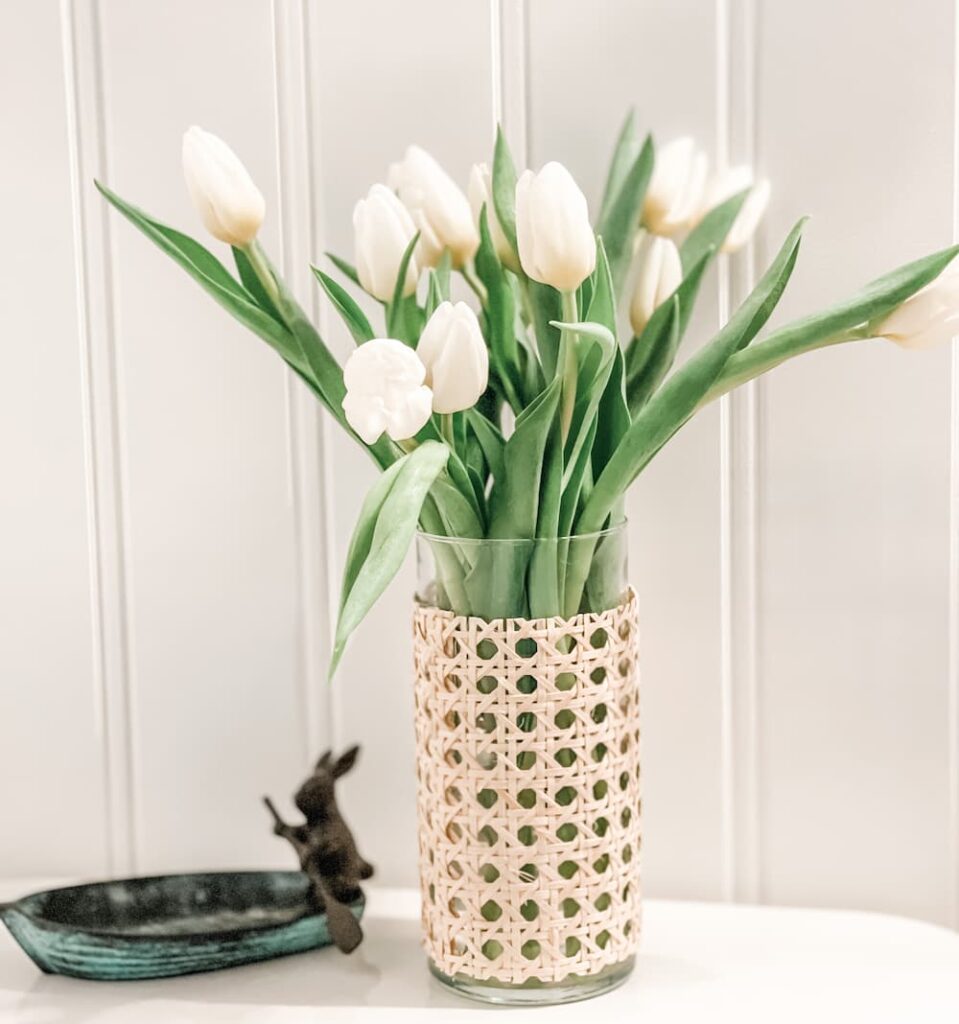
440	210
660	273
382	231
480	195
675	188
454	353
724	186
385	391
926	319
230	205
553	234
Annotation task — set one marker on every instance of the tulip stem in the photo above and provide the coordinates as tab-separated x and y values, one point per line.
475	284
261	267
446	430
568	363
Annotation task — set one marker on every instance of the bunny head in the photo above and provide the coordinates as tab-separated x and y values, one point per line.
315	796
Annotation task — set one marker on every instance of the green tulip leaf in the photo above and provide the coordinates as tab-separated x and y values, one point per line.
212	276
253	285
402	310
543	580
500	317
344	303
594	364
497	583
490	440
345	268
618	227
613	415
651	356
384	530
547	306
677	399
710	233
874	301
504	188
624	157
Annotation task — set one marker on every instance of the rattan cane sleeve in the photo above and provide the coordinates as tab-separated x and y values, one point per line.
528	792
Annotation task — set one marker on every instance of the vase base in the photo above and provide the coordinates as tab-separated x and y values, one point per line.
538	993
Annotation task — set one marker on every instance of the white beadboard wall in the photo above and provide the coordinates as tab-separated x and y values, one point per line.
175	510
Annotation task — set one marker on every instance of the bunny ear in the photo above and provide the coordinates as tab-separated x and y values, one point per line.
345	762
324	761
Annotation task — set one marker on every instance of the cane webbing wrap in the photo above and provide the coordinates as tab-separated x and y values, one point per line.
528	792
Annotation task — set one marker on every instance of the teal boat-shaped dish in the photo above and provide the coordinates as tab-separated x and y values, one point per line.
168	925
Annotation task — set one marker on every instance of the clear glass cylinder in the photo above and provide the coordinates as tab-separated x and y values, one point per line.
532	579
527	765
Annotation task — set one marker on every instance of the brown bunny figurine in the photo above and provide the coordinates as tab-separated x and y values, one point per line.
326	848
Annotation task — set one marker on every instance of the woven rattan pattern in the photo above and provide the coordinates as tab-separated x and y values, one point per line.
528	792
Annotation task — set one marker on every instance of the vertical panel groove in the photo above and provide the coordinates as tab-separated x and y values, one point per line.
509	30
306	430
102	436
953	681
739	487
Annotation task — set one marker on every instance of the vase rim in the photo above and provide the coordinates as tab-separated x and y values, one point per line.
595	535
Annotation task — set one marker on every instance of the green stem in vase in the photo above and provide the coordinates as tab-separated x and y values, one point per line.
568	365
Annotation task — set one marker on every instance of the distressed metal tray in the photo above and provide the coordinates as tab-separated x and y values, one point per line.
167	925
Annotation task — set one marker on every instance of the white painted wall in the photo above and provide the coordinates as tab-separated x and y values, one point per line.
174	511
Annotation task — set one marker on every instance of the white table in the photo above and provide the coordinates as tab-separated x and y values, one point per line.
700	962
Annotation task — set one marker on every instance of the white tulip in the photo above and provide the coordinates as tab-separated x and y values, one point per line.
230	205
382	231
724	186
675	188
385	390
553	234
454	353
440	210
660	273
480	195
926	319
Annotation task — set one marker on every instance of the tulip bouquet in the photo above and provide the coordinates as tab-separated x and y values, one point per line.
522	416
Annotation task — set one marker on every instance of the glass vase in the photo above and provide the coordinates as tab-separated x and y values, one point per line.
527	730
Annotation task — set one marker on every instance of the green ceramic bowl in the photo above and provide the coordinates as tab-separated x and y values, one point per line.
167	925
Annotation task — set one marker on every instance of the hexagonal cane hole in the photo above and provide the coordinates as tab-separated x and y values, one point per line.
564	719
565	681
526	835
487	797
486	649
527	684
570	907
487	684
492	949
565	756
487	834
526	647
491	910
530	910
526	798
488	872
565	796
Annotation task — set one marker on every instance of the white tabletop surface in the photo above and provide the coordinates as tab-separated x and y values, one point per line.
699	962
